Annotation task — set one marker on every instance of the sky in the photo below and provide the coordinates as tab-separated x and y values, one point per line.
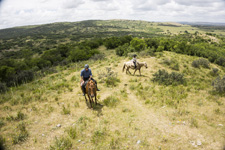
34	12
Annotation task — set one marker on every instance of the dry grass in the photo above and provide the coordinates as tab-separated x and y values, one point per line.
141	119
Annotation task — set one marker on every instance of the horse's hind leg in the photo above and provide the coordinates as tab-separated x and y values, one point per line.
128	71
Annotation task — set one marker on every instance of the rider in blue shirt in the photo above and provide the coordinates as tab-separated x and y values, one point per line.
85	75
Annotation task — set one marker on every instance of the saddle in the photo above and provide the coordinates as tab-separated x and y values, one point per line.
84	84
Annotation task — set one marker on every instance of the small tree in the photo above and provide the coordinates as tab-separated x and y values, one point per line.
122	50
138	44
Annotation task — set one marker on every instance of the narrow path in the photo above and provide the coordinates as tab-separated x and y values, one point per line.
157	125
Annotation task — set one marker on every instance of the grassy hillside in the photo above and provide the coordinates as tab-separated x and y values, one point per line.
137	113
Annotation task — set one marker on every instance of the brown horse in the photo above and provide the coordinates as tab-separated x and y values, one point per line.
91	92
130	65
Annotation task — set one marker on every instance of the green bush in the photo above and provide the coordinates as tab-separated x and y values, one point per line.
82	53
220	61
122	50
219	84
201	62
112	42
214	72
138	44
111	101
163	77
61	144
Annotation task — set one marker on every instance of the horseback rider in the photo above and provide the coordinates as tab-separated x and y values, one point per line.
135	60
85	75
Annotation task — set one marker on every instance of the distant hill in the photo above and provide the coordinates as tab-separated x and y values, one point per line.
83	29
203	23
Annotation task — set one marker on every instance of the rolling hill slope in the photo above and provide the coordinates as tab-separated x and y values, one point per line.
135	114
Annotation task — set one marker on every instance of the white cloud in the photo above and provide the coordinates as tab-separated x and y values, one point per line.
72	3
24	12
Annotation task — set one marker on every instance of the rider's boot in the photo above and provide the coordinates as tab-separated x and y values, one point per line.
83	90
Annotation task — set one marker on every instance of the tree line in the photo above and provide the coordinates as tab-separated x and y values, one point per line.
21	66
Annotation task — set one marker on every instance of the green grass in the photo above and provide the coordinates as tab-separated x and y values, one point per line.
65	111
111	101
21	134
72	132
62	143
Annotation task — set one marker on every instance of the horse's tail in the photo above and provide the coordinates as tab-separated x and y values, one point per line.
124	66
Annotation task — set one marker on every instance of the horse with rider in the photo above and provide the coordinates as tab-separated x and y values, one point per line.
88	84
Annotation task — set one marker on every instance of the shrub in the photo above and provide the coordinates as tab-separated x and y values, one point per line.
219	84
214	72
163	77
112	42
21	77
22	135
61	144
3	87
122	50
138	44
111	101
201	62
220	61
109	77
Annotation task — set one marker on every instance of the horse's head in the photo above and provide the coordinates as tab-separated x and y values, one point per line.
146	65
91	88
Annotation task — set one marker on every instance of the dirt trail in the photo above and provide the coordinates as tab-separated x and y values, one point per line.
157	125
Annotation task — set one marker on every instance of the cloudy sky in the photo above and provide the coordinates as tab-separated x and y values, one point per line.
30	12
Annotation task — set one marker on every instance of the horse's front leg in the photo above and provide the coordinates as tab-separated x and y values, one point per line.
140	72
135	71
90	100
